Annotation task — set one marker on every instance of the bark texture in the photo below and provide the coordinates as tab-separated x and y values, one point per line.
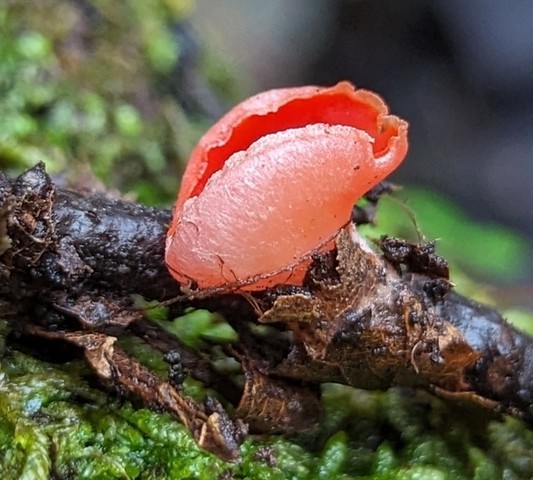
70	263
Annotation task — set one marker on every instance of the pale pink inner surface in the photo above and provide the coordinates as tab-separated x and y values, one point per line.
284	109
282	198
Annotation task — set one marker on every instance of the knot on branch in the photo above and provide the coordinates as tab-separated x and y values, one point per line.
31	251
25	217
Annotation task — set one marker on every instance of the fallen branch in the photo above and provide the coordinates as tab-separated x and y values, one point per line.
69	264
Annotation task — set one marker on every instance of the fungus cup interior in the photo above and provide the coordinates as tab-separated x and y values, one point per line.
284	109
255	201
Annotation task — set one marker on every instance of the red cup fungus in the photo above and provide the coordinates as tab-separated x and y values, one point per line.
274	180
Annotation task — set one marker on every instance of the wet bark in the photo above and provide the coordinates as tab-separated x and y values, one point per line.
56	238
70	263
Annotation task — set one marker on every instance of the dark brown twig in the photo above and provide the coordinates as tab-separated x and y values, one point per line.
69	264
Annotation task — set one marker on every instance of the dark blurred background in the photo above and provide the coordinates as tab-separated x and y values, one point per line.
461	72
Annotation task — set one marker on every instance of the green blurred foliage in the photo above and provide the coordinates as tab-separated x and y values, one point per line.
198	325
100	83
488	251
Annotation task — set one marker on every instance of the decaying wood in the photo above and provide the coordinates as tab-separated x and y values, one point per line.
375	327
209	423
371	319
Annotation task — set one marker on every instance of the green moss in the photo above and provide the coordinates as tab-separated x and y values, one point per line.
52	423
100	83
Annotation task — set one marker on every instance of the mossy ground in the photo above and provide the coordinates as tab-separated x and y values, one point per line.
55	424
